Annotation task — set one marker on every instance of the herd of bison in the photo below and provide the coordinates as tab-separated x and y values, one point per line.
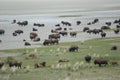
98	61
55	36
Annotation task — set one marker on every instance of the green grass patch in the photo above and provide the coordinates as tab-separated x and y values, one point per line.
76	69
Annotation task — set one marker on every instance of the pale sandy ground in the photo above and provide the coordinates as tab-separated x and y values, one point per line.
10	42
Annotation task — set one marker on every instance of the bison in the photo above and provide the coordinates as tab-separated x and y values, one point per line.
34	29
54	36
40	65
38	24
114	48
50	41
118	26
101	62
27	44
14	21
88	58
63	33
2	31
116	31
103	34
46	42
78	22
1	64
73	34
0	41
33	35
18	31
23	23
66	23
73	48
14	34
14	63
54	41
108	23
85	29
36	39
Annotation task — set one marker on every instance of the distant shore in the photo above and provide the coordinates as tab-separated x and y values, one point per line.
27	12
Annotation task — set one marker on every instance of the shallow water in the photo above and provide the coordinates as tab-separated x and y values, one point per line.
12	42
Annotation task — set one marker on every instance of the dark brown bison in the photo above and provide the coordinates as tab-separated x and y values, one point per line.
116	21
14	63
88	58
89	23
108	23
59	28
114	48
14	34
57	25
86	29
97	31
33	35
101	62
38	24
36	39
27	44
22	23
65	29
14	21
89	31
54	31
40	65
118	26
66	23
1	63
2	31
54	41
34	29
0	41
73	34
78	22
116	31
63	33
103	34
47	42
18	31
50	41
54	36
95	21
73	48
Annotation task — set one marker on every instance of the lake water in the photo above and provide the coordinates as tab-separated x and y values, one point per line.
50	20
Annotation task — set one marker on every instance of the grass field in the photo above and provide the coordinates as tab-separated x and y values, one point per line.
75	69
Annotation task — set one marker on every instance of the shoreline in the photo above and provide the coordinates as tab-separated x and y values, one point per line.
40	45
